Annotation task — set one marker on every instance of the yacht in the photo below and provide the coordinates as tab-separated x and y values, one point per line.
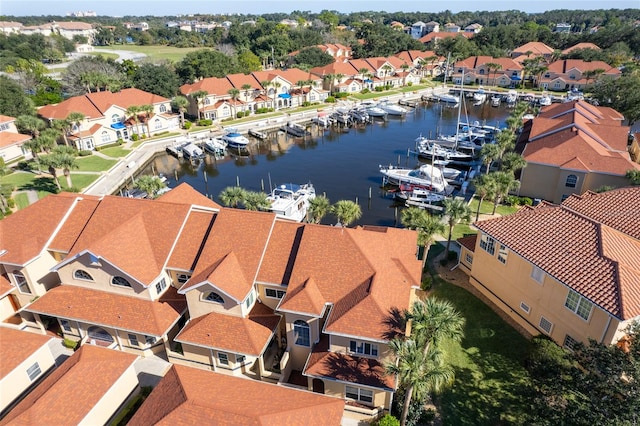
480	95
373	110
214	145
448	98
234	139
291	201
426	175
392	109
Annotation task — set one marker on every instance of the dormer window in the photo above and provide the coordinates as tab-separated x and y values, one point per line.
214	297
120	281
81	274
163	108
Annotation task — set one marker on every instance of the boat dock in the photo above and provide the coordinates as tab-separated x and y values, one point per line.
257	134
174	150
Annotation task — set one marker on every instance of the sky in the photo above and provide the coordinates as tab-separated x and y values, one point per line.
186	7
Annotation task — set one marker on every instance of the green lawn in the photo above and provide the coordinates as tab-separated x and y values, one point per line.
174	54
21	200
491	382
93	163
19	179
79	181
460	230
115	152
106	55
487	208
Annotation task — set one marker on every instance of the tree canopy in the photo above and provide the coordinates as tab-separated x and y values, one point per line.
157	79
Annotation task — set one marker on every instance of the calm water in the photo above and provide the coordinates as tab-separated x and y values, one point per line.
341	163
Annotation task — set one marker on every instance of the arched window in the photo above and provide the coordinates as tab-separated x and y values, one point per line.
115	118
104	136
120	281
301	333
157	125
163	108
97	333
571	182
81	274
207	101
214	297
21	282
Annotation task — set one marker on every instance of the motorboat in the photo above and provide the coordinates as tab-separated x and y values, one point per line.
391	108
322	120
295	129
424	198
214	145
431	150
448	98
480	95
512	97
359	115
496	100
234	139
191	151
291	201
373	110
426	175
341	115
545	100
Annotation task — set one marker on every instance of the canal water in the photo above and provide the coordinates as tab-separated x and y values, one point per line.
341	163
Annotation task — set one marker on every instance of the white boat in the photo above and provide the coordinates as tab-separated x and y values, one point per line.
424	198
480	95
391	108
322	120
291	201
426	175
448	98
234	139
545	100
341	115
512	97
496	100
430	149
359	115
191	151
294	129
214	145
373	110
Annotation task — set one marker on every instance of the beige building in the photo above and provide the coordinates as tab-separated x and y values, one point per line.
569	271
11	142
571	148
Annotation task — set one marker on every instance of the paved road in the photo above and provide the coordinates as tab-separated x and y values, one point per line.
123	54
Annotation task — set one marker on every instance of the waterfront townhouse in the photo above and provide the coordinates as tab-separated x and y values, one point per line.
87	389
531	50
189	396
503	72
424	63
11	141
569	271
580	46
107	117
571	148
26	357
334	76
567	74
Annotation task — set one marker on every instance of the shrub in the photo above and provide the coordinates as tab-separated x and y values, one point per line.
452	255
410	83
120	141
378	88
208	122
526	201
187	125
341	95
330	100
134	137
11	203
306	104
84	153
71	344
387	420
426	283
365	90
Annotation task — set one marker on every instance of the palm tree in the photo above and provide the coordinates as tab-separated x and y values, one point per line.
181	104
148	110
456	210
132	112
235	94
265	84
301	84
506	139
246	87
485	187
66	160
433	321
490	152
504	183
34	146
387	69
276	85
331	79
404	67
255	201
231	196
30	124
418	374
74	119
492	66
346	211
149	184
426	225
512	161
200	96
319	207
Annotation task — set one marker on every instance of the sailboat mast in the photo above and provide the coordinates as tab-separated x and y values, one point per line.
459	108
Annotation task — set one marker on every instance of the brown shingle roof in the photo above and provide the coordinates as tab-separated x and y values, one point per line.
112	310
16	346
575	244
248	336
187	396
345	368
67	395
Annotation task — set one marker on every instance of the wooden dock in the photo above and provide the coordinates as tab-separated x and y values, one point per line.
257	134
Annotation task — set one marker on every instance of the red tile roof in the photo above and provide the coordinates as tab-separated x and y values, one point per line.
468	242
248	336
231	256
189	245
474	62
212	85
444	34
579	136
16	346
71	391
582	244
8	138
5	286
75	222
25	233
185	194
187	396
580	46
112	310
345	368
535	47
564	65
344	68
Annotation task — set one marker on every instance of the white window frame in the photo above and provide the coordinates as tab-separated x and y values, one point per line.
468	257
161	285
250	300
119	281
359	347
488	244
21	281
216	298
569	343
571	181
537	274
133	339
34	371
78	272
223	358
577	304
358	394
503	254
182	278
525	307
278	294
542	325
300	339
157	124
105	137
65	325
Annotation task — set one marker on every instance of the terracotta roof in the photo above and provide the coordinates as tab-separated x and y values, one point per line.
535	47
187	396
238	80
576	135
474	62
71	391
5	285
9	24
294	75
185	194
16	346
25	233
233	251
583	252
443	34
69	25
248	336
366	273
468	242
112	310
345	68
75	222
212	85
140	238
580	46
10	138
280	253
189	244
564	65
345	368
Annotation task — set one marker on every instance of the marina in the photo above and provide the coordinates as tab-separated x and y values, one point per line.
342	161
